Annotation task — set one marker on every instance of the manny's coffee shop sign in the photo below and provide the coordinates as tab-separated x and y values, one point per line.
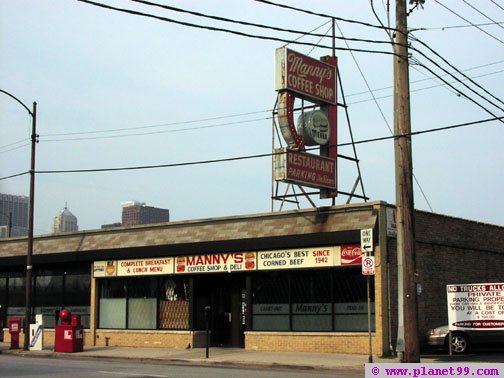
319	257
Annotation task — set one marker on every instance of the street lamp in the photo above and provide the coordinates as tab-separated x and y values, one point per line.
29	266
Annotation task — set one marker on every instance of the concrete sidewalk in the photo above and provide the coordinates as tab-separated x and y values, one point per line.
241	357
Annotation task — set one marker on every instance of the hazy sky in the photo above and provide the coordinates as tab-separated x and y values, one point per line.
120	90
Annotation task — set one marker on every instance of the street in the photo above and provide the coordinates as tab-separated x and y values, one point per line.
19	366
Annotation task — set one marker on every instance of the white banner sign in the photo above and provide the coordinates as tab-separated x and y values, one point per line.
296	258
476	306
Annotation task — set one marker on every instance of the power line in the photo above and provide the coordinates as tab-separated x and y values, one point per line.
457	26
427	79
242	34
421	53
324	15
258	155
457	90
158	132
497	4
469	22
246	23
159	125
13	143
456	69
418	89
14	148
16	175
483	14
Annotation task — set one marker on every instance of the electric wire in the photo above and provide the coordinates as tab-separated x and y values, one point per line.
430	78
43	136
371	140
159	125
156	132
242	34
323	15
483	14
382	114
493	1
456	26
246	23
457	90
15	175
417	89
414	49
411	36
469	22
13	143
15	148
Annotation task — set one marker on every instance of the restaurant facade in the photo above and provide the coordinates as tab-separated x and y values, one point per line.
282	281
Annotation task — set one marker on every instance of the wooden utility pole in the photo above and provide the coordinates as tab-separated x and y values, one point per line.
408	341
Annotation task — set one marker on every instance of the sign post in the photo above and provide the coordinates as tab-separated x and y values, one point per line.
368	269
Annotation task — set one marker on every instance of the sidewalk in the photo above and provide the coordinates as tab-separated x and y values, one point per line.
241	357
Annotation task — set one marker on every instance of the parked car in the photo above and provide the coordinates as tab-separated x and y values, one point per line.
463	341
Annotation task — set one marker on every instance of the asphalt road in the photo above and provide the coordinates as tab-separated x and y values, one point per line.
19	366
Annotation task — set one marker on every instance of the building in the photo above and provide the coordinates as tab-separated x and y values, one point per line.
135	213
283	281
65	221
13	215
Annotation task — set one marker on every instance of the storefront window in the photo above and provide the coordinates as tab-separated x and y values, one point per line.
311	301
3	300
174	303
112	303
142	302
270	301
350	307
77	296
16	294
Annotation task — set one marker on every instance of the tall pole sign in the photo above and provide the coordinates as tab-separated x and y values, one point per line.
298	76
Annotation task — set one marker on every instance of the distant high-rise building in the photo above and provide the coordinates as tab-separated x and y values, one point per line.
13	215
65	221
135	213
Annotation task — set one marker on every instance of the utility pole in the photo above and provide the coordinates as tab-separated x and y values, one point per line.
408	341
29	264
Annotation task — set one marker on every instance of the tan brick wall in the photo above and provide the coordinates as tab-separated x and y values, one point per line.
153	339
352	343
49	336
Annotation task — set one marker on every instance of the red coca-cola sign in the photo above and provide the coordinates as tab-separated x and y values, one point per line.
351	255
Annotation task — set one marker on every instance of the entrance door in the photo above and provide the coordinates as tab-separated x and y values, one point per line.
223	294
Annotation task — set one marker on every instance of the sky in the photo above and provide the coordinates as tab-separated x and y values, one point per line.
120	90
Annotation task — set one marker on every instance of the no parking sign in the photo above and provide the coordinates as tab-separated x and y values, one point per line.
368	266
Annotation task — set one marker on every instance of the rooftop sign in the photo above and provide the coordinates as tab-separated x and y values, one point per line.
305	169
308	77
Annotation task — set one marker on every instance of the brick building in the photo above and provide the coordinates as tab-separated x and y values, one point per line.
135	213
276	281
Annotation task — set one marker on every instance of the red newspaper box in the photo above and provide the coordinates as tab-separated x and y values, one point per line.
69	336
14	330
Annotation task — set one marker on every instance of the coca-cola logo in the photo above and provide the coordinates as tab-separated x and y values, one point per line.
351	255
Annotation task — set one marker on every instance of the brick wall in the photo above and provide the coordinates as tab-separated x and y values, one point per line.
344	342
448	251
